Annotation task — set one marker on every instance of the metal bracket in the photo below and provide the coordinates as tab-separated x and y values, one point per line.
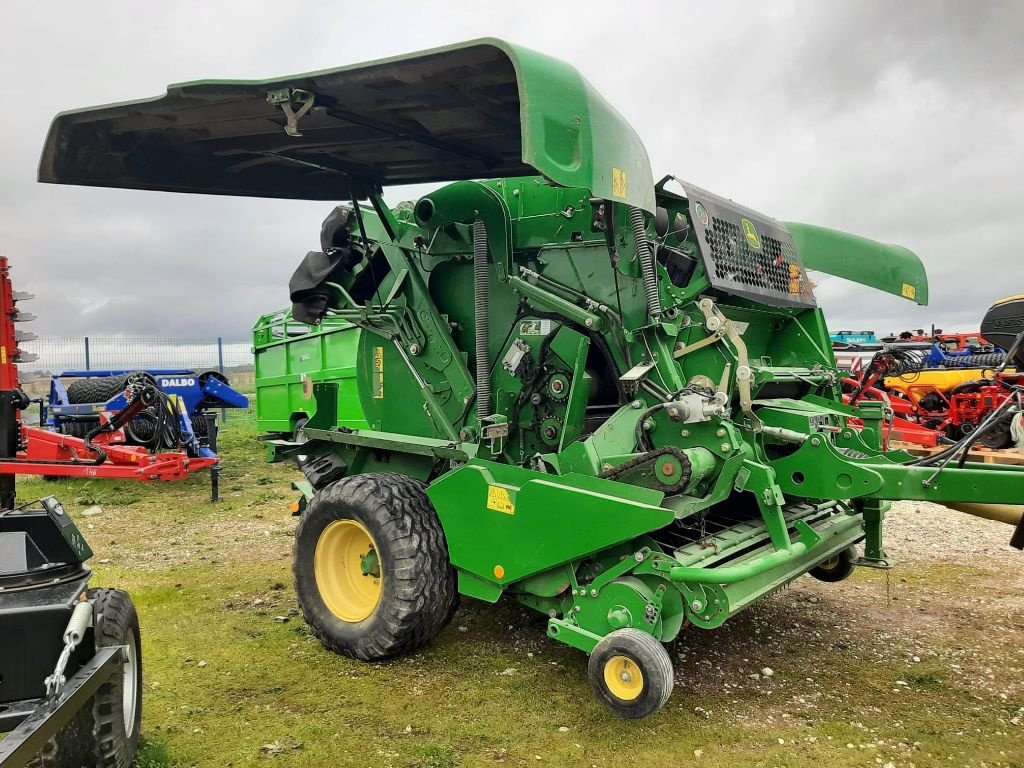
285	98
718	323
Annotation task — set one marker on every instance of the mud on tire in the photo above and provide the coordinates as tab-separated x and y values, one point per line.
418	593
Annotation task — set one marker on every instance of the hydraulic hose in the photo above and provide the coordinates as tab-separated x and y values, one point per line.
647	268
481	297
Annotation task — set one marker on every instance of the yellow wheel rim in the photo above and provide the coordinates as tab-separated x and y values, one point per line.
831	564
347	571
623	678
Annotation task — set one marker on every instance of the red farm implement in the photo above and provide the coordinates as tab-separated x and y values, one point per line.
103	452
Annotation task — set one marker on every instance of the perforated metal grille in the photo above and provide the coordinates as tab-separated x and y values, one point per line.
774	268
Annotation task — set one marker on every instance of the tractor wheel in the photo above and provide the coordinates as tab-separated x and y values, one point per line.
631	673
837	568
105	732
371	567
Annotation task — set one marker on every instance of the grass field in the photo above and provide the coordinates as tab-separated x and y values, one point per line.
920	666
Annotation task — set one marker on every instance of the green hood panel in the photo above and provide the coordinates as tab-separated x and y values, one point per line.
889	268
479	109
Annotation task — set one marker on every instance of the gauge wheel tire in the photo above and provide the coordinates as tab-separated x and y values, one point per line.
105	732
631	673
837	568
371	567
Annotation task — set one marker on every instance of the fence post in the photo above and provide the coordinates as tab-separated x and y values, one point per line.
87	354
220	366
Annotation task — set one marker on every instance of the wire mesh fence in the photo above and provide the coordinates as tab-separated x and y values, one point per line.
55	355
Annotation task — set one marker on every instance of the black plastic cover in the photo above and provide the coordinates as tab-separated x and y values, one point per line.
747	253
1002	323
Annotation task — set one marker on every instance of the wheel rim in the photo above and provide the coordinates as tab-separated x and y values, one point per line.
347	570
129	685
623	678
830	564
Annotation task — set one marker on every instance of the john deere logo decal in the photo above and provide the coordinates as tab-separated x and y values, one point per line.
753	239
702	214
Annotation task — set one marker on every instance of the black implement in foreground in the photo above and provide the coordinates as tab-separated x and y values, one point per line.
70	656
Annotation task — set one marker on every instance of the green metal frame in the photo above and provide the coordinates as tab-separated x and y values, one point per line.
668	440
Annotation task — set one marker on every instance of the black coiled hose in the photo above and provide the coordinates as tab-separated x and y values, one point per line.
481	297
647	268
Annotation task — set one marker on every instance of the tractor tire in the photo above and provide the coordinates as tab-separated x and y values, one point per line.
105	732
837	568
117	705
631	673
371	567
95	390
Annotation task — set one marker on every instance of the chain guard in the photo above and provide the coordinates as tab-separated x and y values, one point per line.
642	470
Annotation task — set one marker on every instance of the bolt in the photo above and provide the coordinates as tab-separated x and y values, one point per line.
414	349
697	605
685	433
726	447
636	404
589	322
593	593
720	432
535	398
557	385
639	557
626	677
668	469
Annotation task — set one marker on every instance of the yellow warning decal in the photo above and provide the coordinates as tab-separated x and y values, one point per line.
378	373
620	184
3	355
909	291
500	500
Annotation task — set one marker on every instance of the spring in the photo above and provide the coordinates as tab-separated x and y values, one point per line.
481	298
646	255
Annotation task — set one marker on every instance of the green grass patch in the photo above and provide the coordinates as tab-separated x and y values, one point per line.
233	677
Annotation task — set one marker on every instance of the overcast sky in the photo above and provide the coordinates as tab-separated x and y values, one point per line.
898	121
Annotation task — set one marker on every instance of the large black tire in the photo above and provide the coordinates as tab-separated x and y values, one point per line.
117	706
95	390
837	568
631	673
415	582
105	732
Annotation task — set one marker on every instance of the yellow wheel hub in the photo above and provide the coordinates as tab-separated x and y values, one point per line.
347	571
623	677
831	564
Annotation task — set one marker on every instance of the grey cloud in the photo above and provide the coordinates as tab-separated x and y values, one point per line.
903	122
